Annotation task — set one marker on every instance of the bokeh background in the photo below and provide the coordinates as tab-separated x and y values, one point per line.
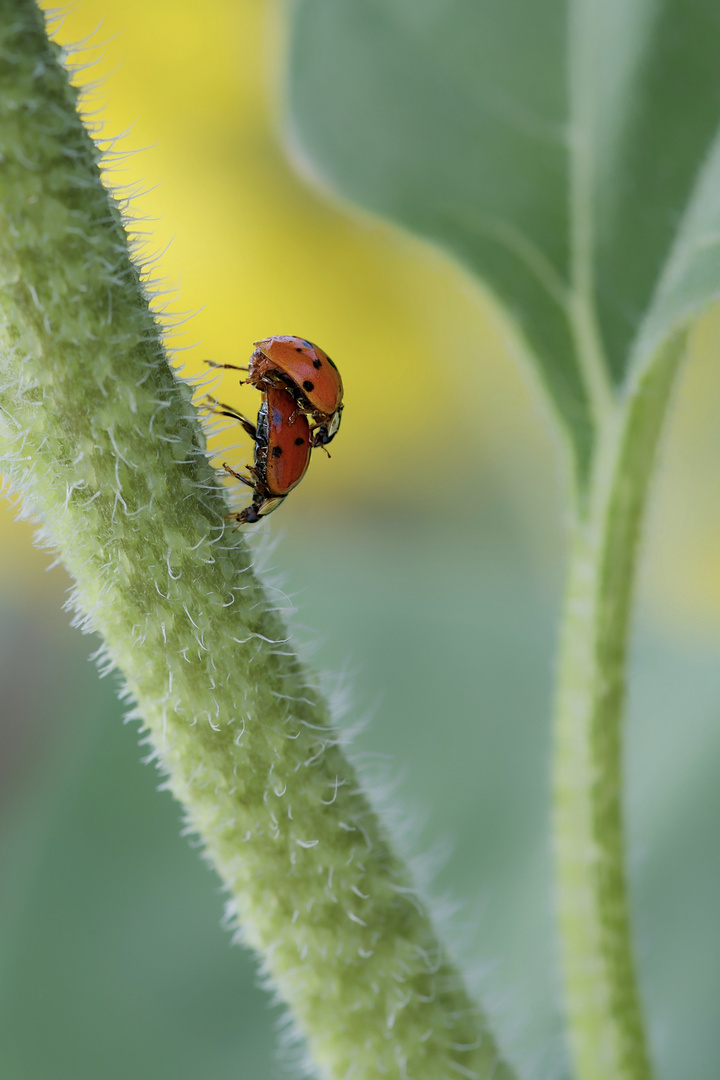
423	568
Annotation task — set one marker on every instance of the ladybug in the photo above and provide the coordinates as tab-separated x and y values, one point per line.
282	452
306	372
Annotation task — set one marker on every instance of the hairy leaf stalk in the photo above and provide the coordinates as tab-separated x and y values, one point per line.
104	444
602	999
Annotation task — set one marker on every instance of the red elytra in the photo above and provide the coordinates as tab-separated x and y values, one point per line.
288	441
310	369
282	452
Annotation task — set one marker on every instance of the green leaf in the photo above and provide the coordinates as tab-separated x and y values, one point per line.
551	148
691	278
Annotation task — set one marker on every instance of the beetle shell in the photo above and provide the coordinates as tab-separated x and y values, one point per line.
282	446
302	363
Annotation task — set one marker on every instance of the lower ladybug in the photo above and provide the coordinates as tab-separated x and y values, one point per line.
282	453
306	372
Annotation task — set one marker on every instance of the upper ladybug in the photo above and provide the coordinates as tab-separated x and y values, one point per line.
303	368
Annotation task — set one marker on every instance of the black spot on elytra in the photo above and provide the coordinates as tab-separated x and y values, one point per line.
298	442
309	386
317	363
299	349
276	451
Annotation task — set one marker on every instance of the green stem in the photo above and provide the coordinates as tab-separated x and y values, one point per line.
105	446
602	1000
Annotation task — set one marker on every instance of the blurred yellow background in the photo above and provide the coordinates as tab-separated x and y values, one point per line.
438	417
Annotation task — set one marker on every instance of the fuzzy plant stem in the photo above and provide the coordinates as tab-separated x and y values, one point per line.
103	443
602	1000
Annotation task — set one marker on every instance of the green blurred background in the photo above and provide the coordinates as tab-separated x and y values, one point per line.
424	566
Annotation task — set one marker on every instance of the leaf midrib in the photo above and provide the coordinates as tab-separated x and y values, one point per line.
591	359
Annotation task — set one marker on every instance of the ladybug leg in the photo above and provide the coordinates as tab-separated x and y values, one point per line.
263	502
232	367
221	409
280	381
254	511
251	482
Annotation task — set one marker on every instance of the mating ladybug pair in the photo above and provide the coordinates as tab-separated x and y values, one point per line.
300	384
